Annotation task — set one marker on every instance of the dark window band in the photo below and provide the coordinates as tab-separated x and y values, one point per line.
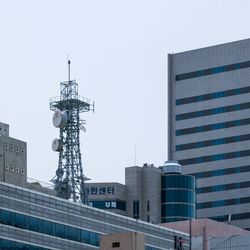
214	142
221	172
212	71
241	216
221	203
214	126
213	111
47	227
216	157
215	95
10	244
223	187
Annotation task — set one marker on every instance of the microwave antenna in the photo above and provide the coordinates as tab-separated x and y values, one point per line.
69	181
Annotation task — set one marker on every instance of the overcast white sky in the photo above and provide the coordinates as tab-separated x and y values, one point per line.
118	51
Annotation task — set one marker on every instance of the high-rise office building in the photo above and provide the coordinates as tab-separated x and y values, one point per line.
209	124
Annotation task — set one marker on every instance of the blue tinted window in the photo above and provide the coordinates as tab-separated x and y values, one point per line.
212	111
179	195
178	181
10	244
208	143
211	71
182	210
47	227
218	188
217	157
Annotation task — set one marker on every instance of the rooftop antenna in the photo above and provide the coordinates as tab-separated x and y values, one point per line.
69	181
135	155
68	69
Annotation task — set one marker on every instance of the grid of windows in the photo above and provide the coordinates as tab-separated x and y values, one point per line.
216	157
214	142
213	111
220	203
177	196
211	71
220	172
48	227
215	95
218	188
214	126
9	244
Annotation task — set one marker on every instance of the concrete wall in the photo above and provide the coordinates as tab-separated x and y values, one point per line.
13	161
123	241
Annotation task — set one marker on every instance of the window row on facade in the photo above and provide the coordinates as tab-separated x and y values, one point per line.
9	244
220	172
213	111
178	195
214	142
214	126
217	157
240	216
210	96
48	227
178	210
223	187
212	71
221	203
178	181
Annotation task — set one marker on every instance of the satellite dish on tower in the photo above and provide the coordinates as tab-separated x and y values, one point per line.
60	119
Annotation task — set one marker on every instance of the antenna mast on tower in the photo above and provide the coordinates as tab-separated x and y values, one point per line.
69	181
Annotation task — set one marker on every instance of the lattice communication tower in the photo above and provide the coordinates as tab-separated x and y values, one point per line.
69	181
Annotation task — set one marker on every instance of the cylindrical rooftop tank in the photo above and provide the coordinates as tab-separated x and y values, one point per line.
171	167
177	193
60	119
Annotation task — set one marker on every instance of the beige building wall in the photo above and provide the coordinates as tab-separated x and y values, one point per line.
123	241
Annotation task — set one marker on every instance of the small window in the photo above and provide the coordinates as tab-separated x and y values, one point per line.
7	167
22	171
6	146
12	168
115	244
18	170
148	206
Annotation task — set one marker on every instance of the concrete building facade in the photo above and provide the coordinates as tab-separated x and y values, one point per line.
123	241
150	194
13	158
208	94
32	217
34	220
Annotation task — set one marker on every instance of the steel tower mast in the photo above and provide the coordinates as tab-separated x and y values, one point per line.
69	181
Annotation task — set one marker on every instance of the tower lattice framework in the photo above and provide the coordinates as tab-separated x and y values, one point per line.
69	181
